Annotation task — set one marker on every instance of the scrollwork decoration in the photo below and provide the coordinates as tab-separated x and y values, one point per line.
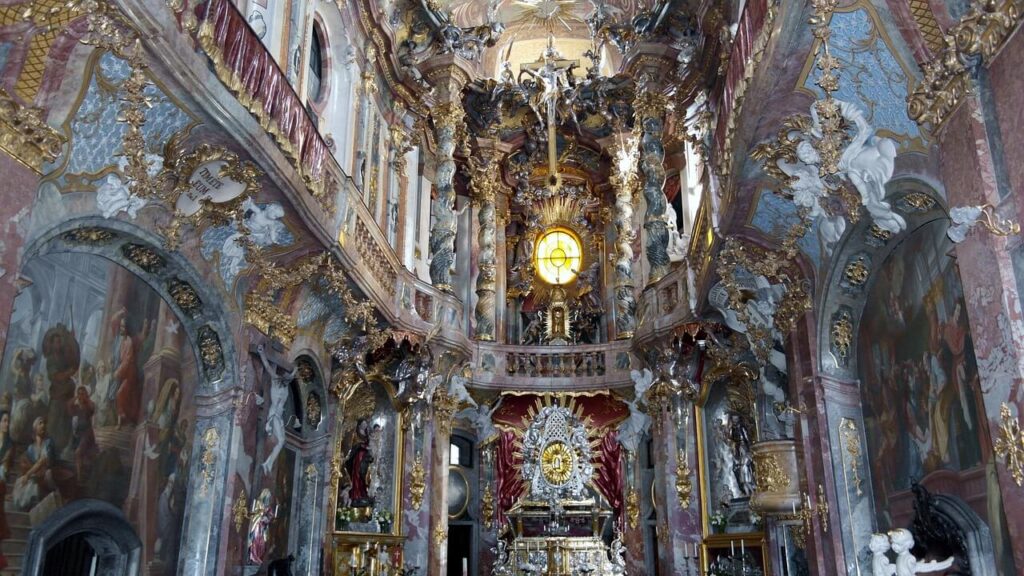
684	485
851	443
417	483
768	473
1010	444
208	460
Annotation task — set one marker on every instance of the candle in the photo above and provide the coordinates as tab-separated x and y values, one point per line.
696	552
465	567
743	547
732	548
793	504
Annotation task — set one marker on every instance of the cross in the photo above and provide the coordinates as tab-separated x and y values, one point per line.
553	73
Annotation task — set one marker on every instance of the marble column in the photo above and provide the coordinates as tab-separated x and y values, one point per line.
448	118
308	516
624	183
486	181
650	108
444	408
416	500
215	452
679	521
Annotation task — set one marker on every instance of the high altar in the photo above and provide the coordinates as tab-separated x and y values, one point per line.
558	527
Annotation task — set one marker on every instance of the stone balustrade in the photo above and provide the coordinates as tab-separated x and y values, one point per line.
543	367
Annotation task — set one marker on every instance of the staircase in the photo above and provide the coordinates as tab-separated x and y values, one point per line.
14	547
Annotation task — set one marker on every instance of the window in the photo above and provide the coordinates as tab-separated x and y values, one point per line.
316	65
460	453
558	256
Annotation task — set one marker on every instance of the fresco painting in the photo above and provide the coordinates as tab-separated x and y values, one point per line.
95	369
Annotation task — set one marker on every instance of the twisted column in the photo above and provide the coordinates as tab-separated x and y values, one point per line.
624	182
486	180
650	107
447	122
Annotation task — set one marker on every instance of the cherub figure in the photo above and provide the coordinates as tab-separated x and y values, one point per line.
902	541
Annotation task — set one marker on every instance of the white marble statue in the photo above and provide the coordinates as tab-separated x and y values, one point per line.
632	429
275	412
808	189
481	417
642	380
676	241
868	161
880	564
457	389
964	218
902	541
113	195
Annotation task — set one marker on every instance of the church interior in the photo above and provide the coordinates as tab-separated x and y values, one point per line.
511	287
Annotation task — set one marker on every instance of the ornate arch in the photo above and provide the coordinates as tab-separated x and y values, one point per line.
196	305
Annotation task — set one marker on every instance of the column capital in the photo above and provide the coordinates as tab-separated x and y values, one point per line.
448	74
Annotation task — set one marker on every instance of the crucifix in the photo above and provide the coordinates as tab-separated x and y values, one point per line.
553	73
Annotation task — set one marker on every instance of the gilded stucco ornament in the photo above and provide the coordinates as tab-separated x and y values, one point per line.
25	135
210	351
487	507
842	334
208	460
857	271
851	443
440	534
240	511
633	508
144	257
769	475
975	40
90	236
209	186
185	296
1010	444
417	483
684	484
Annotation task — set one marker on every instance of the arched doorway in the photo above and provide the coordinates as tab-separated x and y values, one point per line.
88	537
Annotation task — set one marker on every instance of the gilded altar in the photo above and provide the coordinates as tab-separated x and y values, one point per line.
557	528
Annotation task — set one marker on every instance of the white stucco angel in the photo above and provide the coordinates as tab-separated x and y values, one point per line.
457	389
676	242
275	412
642	380
880	564
902	541
481	417
632	429
868	161
808	189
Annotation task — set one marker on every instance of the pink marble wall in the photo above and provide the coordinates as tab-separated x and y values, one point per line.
993	303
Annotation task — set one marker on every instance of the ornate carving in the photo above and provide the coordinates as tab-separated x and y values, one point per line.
90	236
311	473
448	125
651	106
440	534
633	508
856	272
769	475
240	511
185	296
208	460
445	407
918	201
375	258
851	443
144	257
210	352
25	135
624	181
314	411
486	181
1010	444
880	234
195	196
417	483
684	485
487	507
842	334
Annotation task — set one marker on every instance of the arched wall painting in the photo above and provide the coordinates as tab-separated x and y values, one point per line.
96	373
919	379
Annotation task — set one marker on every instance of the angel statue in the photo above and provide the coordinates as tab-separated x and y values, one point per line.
275	412
457	387
482	418
633	428
642	380
880	564
413	375
868	162
808	189
259	523
902	541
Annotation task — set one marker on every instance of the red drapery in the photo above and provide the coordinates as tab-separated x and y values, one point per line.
261	86
608	473
506	470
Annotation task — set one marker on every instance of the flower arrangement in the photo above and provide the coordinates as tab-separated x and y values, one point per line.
717	520
346	515
384	516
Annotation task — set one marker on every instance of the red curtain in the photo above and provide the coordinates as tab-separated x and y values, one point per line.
506	469
608	476
262	86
